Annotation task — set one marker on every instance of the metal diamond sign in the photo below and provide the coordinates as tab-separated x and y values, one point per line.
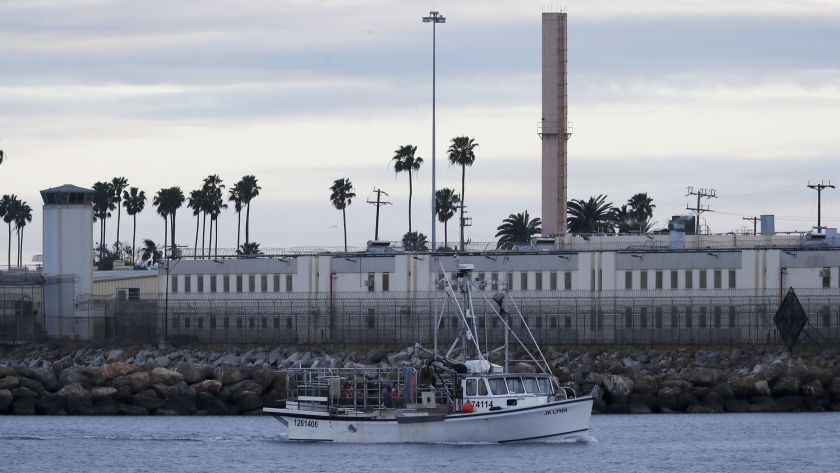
790	319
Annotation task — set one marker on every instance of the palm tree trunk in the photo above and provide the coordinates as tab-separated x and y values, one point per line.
463	199
10	246
119	216
248	223
134	242
203	229
195	247
18	262
101	240
445	242
238	227
21	245
344	220
172	229
409	201
165	233
216	250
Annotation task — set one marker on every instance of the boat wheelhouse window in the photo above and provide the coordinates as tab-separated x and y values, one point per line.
515	385
482	387
497	386
471	387
531	385
545	385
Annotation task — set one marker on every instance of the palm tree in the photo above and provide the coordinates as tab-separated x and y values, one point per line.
23	215
213	189
517	229
641	207
342	196
151	252
592	216
118	185
249	249
160	201
235	196
103	205
8	206
462	153
134	200
215	206
196	202
249	190
446	202
415	241
405	161
175	199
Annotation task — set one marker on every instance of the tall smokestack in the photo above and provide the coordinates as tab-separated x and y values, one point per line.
554	128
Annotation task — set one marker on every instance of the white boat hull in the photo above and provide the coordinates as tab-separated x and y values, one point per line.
547	422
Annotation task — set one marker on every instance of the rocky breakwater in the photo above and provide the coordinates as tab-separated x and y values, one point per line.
713	381
117	382
57	380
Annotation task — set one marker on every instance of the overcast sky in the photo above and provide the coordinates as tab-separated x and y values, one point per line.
741	96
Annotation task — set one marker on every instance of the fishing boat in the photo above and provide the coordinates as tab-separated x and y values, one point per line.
456	397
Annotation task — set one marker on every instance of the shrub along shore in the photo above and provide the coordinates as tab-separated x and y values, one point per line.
59	379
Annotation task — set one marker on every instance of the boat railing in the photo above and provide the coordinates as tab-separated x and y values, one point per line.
361	390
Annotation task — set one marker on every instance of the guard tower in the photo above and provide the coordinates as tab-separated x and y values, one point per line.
555	130
68	264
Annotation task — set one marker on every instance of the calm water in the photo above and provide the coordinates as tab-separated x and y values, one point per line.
704	443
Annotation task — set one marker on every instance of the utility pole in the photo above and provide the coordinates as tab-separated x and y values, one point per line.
434	18
754	221
700	193
379	202
819	188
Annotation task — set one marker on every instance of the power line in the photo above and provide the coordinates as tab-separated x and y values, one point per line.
379	203
819	188
700	193
754	221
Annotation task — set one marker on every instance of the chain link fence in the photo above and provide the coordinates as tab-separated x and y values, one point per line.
562	318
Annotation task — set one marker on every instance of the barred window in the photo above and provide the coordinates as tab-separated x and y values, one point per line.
643	280
702	279
628	280
718	277
659	279
567	277
689	283
731	279
188	283
538	281
552	281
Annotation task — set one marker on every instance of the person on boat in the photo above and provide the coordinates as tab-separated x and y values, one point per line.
387	398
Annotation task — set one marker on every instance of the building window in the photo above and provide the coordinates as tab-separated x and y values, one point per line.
386	283
628	280
523	281
188	283
658	320
252	286
134	293
675	321
494	280
538	281
689	282
276	287
567	280
826	277
510	281
212	322
702	318
643	317
370	282
186	322
288	283
718	316
731	279
175	283
238	283
658	281
689	318
628	317
718	277
226	282
200	321
200	283
643	279
264	283
731	316
213	287
674	280
552	280
702	279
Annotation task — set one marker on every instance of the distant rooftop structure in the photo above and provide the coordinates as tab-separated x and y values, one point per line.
67	194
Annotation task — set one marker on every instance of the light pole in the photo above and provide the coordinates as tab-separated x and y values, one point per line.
434	18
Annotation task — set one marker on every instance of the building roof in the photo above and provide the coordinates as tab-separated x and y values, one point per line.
100	276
